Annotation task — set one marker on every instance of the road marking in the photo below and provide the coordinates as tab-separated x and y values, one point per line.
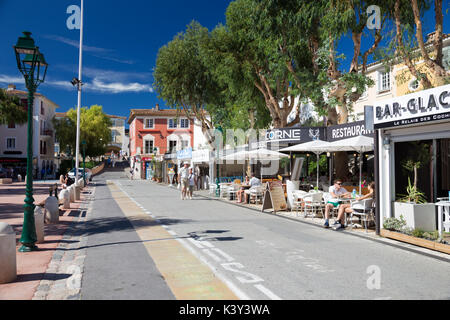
267	292
226	256
212	255
218	256
187	276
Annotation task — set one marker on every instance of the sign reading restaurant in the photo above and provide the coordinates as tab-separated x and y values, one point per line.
347	130
424	106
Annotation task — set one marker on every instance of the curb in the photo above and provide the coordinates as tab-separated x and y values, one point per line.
62	279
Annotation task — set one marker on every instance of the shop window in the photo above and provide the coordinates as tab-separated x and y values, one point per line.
10	143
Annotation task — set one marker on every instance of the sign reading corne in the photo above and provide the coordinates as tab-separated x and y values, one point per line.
424	106
295	135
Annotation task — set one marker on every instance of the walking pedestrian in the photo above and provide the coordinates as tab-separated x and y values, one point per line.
184	177
192	180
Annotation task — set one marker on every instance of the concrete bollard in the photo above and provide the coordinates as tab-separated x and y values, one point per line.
64	197
72	193
51	210
8	263
39	223
77	191
19	178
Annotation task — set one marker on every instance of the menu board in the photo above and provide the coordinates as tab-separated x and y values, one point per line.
274	197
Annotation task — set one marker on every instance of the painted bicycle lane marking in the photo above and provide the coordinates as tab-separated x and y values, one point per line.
220	257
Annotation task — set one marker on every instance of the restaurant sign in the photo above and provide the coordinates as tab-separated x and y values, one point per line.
347	130
295	134
424	106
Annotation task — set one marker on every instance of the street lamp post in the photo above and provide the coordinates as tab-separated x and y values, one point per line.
32	65
84	163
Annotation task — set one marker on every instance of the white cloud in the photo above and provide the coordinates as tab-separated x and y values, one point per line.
102	53
13	80
118	87
98	84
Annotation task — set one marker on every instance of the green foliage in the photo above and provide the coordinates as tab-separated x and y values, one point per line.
11	111
312	165
94	129
394	224
413	194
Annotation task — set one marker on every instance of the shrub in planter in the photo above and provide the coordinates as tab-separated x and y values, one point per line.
394	224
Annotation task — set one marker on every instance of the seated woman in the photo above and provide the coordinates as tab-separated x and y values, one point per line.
63	181
241	191
346	208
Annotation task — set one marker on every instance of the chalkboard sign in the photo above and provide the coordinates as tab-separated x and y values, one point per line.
274	197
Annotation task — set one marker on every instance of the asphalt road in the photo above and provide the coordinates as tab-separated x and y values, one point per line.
258	256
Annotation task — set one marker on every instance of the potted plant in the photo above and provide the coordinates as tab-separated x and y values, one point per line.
413	205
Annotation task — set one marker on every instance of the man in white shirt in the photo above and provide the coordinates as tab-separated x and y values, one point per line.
336	191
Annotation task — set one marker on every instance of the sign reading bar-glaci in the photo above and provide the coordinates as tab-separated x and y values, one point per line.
423	106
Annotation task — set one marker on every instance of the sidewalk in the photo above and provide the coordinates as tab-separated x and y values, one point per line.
32	267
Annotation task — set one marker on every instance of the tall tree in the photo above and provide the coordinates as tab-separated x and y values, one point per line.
11	110
94	129
182	79
410	45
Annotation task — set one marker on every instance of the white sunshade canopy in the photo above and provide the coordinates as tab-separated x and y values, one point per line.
257	154
315	146
359	144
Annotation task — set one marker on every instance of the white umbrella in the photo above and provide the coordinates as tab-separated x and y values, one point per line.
359	144
257	154
316	146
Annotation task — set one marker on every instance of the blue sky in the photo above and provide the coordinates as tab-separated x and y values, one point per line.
121	42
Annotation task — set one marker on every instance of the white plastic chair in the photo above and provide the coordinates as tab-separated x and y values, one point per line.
313	203
297	196
362	208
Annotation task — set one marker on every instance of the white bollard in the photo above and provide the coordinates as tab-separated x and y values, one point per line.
77	191
51	210
8	263
19	178
39	223
72	193
64	196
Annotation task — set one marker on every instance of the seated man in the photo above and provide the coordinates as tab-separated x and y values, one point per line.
241	191
254	183
336	191
346	208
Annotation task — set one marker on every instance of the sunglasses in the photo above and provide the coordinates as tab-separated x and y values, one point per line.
338	183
